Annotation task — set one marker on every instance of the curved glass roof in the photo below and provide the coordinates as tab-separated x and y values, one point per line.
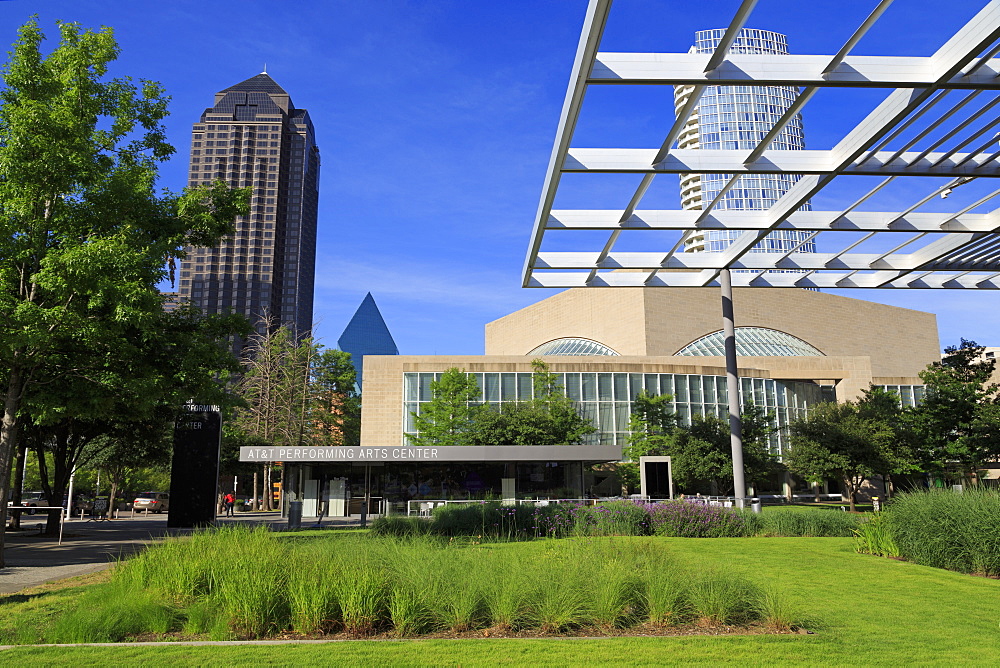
573	346
752	342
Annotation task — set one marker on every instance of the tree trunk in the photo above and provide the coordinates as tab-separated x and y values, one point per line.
15	497
267	488
850	493
254	505
111	497
8	441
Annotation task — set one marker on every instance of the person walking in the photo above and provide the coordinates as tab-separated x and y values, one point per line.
229	500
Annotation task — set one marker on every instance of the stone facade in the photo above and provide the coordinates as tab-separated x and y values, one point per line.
659	322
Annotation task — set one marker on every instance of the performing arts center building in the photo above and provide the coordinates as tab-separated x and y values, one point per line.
795	348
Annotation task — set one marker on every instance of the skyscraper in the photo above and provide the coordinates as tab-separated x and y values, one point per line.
738	117
366	334
254	137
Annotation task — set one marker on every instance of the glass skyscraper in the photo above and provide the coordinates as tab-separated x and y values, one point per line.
254	137
737	118
366	334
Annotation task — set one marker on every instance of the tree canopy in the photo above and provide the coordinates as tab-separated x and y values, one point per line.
700	453
850	441
84	233
956	428
454	415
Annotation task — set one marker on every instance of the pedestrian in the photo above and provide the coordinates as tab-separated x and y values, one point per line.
229	500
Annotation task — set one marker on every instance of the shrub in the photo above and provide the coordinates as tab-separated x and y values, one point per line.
685	519
615	518
960	532
398	525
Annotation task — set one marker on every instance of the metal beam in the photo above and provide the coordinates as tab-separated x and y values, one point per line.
771	279
892	261
751	69
590	41
808	221
721	161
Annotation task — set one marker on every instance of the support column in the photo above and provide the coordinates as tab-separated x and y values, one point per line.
290	488
733	388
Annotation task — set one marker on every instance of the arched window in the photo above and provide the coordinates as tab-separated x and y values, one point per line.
752	342
573	346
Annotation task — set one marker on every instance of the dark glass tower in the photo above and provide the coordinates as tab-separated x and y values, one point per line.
366	334
255	137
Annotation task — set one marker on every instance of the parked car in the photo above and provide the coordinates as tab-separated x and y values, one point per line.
155	501
32	500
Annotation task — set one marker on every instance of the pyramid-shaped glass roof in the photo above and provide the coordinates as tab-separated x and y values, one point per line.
366	334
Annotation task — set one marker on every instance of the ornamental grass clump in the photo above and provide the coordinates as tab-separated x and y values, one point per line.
507	596
959	532
397	525
363	585
873	536
617	595
722	597
685	519
313	604
796	522
113	613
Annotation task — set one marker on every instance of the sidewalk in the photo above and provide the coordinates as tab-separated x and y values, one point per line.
90	546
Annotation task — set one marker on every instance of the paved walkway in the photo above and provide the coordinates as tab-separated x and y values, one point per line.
89	546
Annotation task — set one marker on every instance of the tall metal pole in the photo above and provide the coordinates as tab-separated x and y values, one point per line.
733	388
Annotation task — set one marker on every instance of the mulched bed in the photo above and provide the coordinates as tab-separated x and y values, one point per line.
640	631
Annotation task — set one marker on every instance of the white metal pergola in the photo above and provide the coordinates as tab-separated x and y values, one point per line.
939	118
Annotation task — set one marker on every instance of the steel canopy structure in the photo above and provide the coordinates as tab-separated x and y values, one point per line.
939	118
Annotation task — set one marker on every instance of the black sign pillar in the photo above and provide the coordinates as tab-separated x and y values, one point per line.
194	473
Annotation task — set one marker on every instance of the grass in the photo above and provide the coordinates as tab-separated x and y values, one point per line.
362	586
868	611
801	521
865	610
960	532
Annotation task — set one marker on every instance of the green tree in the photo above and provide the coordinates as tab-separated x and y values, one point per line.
701	453
335	413
703	456
652	429
84	231
957	425
898	454
144	377
447	418
847	441
127	453
548	418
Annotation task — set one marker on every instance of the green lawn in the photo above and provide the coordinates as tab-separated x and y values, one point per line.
865	611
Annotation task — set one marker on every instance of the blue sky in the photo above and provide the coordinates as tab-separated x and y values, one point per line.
436	119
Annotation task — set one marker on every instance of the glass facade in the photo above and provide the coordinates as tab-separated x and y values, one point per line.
909	395
752	342
366	334
572	346
606	398
738	118
253	137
